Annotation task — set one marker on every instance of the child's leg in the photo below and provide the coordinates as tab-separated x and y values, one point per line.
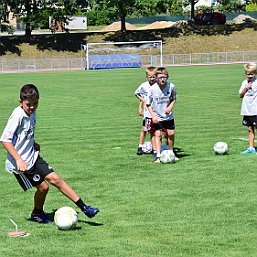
38	214
251	136
141	141
142	136
59	183
153	142
171	138
40	196
157	136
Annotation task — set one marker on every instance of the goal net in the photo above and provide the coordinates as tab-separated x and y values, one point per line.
122	54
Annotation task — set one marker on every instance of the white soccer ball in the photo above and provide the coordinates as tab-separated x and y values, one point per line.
220	148
147	147
167	156
65	218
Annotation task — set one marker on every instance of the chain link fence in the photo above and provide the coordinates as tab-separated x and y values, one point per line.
55	64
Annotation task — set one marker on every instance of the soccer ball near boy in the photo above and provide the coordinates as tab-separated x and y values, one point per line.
65	218
167	156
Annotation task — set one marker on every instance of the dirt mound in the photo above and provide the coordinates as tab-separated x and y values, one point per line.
243	18
159	25
116	26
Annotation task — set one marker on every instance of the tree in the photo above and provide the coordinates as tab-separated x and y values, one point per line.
120	9
31	10
123	9
192	7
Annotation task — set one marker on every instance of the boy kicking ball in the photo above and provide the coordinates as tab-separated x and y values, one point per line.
25	162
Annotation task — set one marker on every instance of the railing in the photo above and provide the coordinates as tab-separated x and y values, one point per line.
45	64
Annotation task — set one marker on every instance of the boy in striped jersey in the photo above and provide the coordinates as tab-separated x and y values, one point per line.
24	161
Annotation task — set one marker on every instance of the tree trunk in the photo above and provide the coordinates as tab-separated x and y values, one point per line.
192	10
123	23
28	18
28	30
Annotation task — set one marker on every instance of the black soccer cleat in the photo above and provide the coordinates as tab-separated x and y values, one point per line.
139	151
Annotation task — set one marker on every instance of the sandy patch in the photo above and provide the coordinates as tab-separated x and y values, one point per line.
243	18
159	25
116	26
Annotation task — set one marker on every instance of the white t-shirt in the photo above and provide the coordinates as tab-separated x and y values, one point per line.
161	99
249	101
142	91
19	131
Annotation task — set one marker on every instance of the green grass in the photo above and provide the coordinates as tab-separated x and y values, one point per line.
87	124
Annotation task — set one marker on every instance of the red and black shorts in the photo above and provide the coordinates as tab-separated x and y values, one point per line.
148	124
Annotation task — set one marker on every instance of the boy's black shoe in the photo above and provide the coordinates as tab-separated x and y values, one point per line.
90	212
139	151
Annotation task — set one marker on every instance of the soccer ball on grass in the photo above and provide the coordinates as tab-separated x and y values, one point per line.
167	156
147	147
220	148
65	218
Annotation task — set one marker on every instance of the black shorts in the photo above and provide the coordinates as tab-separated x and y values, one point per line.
166	124
34	176
250	121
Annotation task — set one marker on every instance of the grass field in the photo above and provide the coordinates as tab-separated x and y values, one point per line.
203	205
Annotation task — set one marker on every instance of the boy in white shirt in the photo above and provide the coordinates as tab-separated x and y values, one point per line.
24	161
160	101
141	93
248	92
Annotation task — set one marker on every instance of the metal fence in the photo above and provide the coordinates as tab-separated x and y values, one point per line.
41	64
51	64
210	58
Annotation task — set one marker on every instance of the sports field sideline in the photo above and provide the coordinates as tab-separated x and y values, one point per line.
87	124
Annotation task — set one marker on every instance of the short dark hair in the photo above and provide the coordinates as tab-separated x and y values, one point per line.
29	91
162	70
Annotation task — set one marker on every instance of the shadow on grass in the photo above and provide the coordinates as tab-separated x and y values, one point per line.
71	42
180	152
91	223
51	217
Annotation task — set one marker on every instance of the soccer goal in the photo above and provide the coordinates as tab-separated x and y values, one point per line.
111	55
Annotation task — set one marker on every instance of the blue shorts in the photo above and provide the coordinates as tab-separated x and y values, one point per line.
34	176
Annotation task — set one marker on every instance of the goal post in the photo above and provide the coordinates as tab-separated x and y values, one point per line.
108	55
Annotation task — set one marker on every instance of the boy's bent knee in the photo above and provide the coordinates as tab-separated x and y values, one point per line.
53	179
43	187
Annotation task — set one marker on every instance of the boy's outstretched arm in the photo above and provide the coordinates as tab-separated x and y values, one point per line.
21	165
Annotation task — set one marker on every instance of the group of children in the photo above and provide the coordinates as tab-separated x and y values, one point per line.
157	96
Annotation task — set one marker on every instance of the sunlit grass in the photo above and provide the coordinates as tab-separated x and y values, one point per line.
204	205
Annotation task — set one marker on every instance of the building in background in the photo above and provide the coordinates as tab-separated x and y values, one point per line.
9	18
